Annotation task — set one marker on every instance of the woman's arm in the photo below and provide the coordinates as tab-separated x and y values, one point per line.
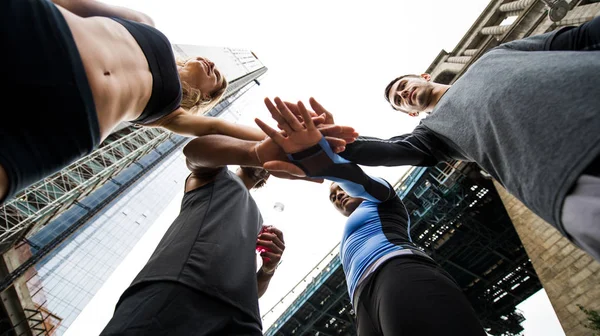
187	124
88	8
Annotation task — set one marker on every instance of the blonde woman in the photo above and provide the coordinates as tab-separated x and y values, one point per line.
75	69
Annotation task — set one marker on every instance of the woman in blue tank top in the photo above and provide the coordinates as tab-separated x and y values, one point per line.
395	287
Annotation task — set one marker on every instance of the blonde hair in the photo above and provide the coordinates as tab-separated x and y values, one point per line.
192	99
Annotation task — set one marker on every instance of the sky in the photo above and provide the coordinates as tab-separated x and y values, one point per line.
343	53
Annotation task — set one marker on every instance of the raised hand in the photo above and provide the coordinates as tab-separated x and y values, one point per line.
322	118
296	136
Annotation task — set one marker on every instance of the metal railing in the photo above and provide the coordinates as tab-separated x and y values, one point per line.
291	301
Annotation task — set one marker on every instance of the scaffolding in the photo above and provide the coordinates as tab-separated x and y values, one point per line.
35	206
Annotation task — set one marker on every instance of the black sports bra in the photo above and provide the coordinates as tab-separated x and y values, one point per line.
166	87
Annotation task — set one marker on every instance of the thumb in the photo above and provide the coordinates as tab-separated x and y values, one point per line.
283	166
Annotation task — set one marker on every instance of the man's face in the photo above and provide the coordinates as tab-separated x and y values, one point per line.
342	201
411	94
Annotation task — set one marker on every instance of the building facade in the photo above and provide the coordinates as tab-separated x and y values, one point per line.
63	237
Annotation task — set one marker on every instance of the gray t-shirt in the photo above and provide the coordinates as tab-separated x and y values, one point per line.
528	116
211	244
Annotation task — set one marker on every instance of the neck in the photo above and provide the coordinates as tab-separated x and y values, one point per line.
436	94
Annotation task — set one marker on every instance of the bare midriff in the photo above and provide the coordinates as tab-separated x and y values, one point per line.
116	69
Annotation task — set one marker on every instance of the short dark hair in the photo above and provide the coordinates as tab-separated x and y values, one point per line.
257	174
389	86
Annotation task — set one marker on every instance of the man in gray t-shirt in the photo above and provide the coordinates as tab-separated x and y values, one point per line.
528	112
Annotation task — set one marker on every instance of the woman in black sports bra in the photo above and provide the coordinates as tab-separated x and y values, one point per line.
77	68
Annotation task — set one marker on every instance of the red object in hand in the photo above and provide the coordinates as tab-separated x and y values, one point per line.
261	249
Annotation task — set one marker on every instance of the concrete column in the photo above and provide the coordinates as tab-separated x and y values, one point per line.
459	59
494	30
515	5
515	13
568	274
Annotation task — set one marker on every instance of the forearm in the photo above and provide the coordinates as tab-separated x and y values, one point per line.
263	280
239	131
585	37
398	151
88	8
212	151
187	124
320	161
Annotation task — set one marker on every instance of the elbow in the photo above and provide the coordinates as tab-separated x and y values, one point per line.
187	149
190	147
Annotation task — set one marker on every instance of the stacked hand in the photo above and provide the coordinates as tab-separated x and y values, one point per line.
300	129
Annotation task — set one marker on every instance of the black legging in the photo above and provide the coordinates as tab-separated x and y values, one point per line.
585	37
410	296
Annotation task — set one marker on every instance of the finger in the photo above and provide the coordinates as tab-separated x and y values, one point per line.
308	122
294	108
335	142
273	134
283	166
276	114
318	120
327	131
279	245
270	245
312	179
339	149
318	107
338	131
274	257
289	117
277	232
275	237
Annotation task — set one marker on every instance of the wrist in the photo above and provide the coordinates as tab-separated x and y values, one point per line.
267	150
265	272
257	154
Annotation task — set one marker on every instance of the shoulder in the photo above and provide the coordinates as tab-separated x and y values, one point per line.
173	118
202	176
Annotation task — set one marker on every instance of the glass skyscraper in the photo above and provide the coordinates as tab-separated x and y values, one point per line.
55	269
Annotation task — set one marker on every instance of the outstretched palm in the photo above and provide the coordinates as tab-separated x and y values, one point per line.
298	136
295	137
